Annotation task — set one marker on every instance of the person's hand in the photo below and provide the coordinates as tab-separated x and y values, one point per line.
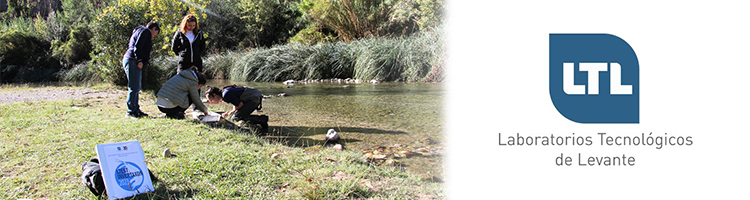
225	114
206	114
140	65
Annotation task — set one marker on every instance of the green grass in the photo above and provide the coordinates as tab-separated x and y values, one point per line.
45	142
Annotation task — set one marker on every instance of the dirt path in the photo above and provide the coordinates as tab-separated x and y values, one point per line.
52	94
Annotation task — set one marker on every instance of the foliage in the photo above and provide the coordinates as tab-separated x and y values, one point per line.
356	19
96	32
76	49
28	26
219	66
75	12
312	35
169	14
351	19
18	9
80	72
425	13
414	58
224	28
269	22
25	58
112	29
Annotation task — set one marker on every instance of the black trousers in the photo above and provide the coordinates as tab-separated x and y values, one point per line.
176	112
243	113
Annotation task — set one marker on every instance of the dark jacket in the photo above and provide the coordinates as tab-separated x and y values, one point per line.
235	95
139	47
181	87
189	55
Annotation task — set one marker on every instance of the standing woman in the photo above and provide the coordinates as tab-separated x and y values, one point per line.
133	62
188	43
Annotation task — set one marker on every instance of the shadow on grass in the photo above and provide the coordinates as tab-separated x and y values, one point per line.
161	192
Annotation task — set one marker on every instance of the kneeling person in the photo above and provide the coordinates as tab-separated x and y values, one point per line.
245	100
179	92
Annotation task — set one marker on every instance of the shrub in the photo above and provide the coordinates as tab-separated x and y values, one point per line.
76	49
219	66
312	35
26	58
79	72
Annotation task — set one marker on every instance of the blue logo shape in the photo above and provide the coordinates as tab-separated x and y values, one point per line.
129	176
593	78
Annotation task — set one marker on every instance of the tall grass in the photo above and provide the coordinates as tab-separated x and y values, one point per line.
414	58
219	66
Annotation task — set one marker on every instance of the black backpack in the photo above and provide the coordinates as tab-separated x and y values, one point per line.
92	177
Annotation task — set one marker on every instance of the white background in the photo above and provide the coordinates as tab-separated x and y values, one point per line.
694	78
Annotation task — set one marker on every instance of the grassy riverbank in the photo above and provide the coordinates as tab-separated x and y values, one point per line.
44	143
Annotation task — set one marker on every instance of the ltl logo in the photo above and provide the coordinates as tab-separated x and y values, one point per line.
579	64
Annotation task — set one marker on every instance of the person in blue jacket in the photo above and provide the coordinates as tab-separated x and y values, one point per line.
188	44
133	62
244	99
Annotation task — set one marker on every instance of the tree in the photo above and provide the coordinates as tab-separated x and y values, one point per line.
269	22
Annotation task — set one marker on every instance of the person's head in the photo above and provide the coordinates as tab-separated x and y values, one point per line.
154	28
189	23
213	94
201	79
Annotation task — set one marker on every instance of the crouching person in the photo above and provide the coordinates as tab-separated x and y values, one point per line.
179	92
244	99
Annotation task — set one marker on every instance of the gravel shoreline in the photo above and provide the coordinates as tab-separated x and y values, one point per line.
53	94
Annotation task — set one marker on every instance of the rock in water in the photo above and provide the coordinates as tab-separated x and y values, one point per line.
332	135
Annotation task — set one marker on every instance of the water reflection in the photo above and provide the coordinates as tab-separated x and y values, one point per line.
367	115
412	107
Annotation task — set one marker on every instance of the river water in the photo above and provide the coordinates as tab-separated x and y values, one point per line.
375	119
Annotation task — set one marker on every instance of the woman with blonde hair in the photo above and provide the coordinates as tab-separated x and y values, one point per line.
188	43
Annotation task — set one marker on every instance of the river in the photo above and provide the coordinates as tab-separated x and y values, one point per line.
399	121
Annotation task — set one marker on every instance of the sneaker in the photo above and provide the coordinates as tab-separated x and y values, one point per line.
142	114
134	115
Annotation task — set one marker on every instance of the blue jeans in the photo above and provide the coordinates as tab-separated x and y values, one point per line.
134	83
